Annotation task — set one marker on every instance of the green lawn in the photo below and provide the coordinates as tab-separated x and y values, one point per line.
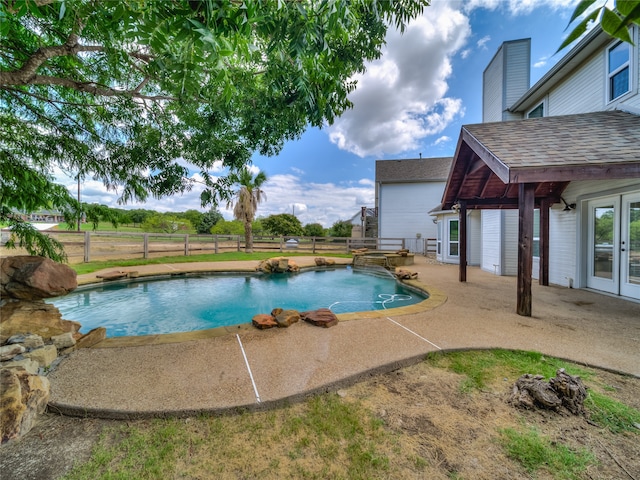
82	268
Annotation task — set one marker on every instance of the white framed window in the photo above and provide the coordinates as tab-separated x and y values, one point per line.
618	70
454	240
537	111
536	233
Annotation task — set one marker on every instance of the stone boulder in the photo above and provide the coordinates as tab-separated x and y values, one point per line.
263	321
35	317
277	265
92	338
23	397
27	340
43	356
7	352
30	277
402	274
324	262
323	317
286	318
64	340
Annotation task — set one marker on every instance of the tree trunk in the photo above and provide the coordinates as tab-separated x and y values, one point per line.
248	237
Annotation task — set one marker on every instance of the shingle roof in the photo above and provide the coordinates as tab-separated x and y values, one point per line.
413	170
492	159
584	139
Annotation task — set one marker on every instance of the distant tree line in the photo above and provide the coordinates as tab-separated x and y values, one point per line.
209	222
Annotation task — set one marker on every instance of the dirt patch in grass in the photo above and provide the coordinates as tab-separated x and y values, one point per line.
422	421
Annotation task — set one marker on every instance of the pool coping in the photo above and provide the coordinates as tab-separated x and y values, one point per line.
435	299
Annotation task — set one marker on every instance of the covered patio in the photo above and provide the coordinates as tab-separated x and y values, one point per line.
528	164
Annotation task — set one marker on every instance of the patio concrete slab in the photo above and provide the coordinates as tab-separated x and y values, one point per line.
171	376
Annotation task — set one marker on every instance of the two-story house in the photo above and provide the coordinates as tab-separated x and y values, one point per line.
406	190
554	170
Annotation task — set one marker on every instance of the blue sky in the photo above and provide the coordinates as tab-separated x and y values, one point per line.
412	101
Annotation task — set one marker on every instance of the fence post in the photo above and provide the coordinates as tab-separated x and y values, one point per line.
281	242
403	244
347	244
145	237
186	245
215	248
87	246
313	244
238	242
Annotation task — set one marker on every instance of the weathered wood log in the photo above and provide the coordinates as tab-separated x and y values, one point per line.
564	390
571	390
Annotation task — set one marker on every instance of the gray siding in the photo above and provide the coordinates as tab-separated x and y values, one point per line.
492	94
505	80
517	71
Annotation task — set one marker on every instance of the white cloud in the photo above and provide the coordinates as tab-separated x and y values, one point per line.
482	43
541	63
402	96
366	181
442	139
323	203
518	7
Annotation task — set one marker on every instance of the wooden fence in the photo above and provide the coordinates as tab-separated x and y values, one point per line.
89	246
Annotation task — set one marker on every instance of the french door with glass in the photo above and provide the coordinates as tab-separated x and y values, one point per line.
613	262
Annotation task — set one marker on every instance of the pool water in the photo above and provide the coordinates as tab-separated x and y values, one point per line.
200	302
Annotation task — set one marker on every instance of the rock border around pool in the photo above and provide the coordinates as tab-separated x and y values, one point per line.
436	297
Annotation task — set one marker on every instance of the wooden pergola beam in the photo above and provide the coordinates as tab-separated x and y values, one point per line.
526	204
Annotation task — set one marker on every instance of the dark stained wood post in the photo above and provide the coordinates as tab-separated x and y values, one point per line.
543	275
526	204
462	238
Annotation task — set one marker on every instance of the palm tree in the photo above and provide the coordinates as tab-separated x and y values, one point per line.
245	202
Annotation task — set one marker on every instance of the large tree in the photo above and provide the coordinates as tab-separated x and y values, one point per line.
245	202
284	224
143	93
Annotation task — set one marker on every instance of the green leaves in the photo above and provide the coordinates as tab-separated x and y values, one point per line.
614	22
119	90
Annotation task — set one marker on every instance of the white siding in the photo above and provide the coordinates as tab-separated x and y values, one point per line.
492	95
403	209
491	225
474	256
562	246
566	230
510	242
582	92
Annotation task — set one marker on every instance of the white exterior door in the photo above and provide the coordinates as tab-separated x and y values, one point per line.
613	262
602	261
630	246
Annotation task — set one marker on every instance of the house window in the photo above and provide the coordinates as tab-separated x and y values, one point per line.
536	233
537	112
618	65
453	238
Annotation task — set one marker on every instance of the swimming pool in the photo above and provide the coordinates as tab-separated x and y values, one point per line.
199	302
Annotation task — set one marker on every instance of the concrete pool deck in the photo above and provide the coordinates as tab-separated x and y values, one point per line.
248	368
